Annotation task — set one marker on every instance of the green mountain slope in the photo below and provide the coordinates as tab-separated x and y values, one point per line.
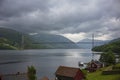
15	38
113	45
53	41
39	41
5	44
10	34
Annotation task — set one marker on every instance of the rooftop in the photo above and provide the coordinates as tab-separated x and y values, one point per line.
67	71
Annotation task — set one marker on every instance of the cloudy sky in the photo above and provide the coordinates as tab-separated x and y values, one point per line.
75	19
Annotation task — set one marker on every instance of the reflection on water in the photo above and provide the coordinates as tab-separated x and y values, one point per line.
46	61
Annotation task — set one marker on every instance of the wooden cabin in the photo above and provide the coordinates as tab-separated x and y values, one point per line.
69	73
94	65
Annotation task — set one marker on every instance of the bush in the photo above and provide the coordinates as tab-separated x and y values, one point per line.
116	67
108	58
31	73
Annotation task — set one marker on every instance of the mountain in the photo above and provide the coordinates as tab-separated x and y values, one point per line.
14	39
114	40
10	34
9	38
87	43
39	41
53	41
113	45
5	44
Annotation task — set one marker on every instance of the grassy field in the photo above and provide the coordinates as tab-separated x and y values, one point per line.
98	76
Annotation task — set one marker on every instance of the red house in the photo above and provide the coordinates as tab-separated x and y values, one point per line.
94	65
44	78
69	73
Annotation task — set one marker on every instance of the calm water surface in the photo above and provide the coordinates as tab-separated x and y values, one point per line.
46	61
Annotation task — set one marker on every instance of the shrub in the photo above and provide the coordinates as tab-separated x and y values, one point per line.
31	73
116	67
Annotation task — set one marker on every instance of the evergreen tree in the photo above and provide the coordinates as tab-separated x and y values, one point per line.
31	73
107	58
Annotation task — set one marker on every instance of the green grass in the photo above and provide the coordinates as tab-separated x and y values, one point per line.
116	67
98	76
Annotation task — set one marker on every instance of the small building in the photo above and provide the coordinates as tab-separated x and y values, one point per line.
69	73
94	65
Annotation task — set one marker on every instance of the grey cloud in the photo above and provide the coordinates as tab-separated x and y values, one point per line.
63	16
11	8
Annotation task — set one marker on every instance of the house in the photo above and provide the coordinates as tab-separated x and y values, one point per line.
69	73
94	65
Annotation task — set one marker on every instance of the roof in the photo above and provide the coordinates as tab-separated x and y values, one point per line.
67	71
44	78
97	62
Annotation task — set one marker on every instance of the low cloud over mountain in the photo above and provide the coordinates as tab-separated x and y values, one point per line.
65	17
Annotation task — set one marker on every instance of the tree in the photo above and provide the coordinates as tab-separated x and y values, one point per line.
107	58
31	73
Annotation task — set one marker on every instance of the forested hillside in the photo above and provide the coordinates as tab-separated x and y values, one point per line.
13	38
113	46
20	40
6	44
52	41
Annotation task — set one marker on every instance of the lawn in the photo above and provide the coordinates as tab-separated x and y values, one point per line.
98	76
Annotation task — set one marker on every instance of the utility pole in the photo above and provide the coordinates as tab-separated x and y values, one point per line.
22	42
92	46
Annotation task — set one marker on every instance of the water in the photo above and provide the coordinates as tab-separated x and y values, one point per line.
46	61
